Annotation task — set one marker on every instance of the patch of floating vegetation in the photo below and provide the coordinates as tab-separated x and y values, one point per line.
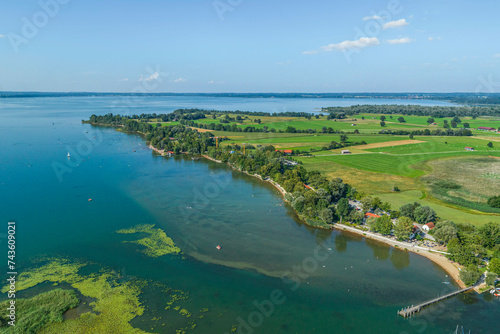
157	243
35	313
116	303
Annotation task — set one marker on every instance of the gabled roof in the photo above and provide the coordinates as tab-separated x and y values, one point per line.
369	214
430	225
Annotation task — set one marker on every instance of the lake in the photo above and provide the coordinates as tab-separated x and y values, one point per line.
272	274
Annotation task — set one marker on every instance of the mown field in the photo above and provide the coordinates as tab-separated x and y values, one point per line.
364	123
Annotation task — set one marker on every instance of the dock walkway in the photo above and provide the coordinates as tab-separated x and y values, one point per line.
410	310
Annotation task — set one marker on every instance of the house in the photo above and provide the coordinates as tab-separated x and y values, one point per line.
433	123
169	153
308	187
369	214
346	152
485	128
415	231
287	152
427	227
467	148
353	124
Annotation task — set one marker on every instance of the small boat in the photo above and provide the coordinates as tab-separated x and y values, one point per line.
69	155
218	247
90	199
446	282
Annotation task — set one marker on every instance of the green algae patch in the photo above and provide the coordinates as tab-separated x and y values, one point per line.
115	306
56	271
157	242
35	313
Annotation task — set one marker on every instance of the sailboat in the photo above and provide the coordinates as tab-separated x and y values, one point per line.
69	155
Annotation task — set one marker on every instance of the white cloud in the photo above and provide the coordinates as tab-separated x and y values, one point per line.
124	79
282	63
311	52
180	80
211	82
395	24
404	40
374	17
497	55
431	38
152	77
361	43
2	36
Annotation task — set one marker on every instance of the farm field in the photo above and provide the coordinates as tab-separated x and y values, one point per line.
467	182
370	123
444	211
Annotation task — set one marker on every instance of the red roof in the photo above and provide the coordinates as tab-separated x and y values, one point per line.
171	152
485	128
430	225
307	187
369	214
285	151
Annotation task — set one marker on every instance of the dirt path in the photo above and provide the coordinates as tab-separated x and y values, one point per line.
388	144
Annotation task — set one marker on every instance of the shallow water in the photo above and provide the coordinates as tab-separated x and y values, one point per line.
330	281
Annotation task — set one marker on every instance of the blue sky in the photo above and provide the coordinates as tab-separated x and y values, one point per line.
249	45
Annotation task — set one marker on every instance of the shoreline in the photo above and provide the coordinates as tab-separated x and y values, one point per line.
435	256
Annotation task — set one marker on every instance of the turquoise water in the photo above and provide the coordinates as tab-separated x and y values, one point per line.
342	284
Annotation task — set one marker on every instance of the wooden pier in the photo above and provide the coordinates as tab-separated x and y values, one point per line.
410	310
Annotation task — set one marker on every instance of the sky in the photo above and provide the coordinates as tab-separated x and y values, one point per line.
277	46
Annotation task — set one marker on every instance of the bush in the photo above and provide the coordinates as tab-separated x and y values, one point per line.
494	201
490	278
470	275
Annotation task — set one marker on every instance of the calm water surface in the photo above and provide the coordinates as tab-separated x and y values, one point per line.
353	285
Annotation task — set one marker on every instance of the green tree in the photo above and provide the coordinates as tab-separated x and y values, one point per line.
382	118
366	203
382	123
326	215
430	120
490	145
491	278
445	231
424	214
384	225
494	201
401	120
470	275
466	125
343	207
408	209
403	228
343	138
490	235
494	265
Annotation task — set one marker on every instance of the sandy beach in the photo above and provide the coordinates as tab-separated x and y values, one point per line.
437	257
